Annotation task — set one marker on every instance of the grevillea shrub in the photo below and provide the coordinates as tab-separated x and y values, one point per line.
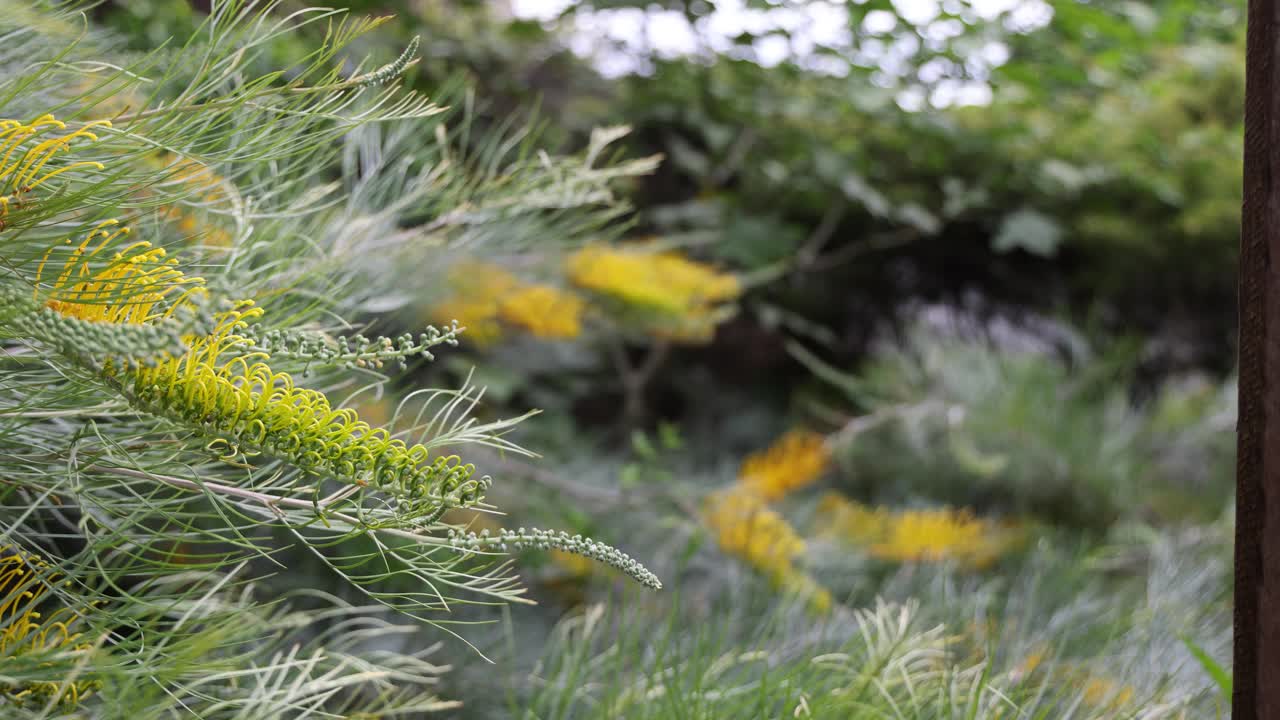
179	271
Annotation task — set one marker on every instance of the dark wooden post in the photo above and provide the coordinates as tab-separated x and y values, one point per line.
1256	689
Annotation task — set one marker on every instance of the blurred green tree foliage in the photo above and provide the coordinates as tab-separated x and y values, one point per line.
1098	173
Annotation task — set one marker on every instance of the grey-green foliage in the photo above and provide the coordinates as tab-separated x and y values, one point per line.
317	349
100	342
163	536
1015	425
1070	635
877	663
549	540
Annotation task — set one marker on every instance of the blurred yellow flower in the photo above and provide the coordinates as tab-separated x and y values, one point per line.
803	584
191	225
477	293
573	564
377	411
194	176
930	535
917	535
745	527
1034	660
1106	693
797	459
479	317
1095	690
676	296
748	529
666	283
851	521
485	296
545	311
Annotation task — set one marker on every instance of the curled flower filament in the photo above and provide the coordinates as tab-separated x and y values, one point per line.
23	156
26	631
244	401
24	172
130	288
223	388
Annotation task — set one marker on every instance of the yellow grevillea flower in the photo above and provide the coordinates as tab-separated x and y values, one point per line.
209	186
128	286
479	317
28	632
852	521
544	311
234	395
240	398
796	460
195	176
746	527
1106	693
25	150
485	296
477	293
932	535
696	327
918	535
192	225
664	283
